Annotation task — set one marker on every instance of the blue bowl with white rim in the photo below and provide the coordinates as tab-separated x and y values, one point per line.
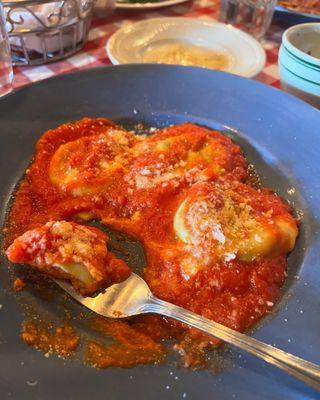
299	62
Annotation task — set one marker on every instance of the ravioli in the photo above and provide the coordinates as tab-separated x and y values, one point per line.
67	250
222	221
87	165
183	154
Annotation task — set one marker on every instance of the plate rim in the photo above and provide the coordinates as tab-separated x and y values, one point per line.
286	10
140	65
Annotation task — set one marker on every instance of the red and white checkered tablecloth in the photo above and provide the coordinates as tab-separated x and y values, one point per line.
94	52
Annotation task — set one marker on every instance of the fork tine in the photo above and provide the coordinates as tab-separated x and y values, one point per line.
120	300
66	286
88	302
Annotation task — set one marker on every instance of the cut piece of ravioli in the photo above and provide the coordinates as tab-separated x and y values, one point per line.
66	250
89	164
223	221
184	153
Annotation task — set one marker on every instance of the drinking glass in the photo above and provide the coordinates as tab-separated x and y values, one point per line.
253	16
6	73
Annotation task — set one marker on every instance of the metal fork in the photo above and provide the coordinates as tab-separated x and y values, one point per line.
133	297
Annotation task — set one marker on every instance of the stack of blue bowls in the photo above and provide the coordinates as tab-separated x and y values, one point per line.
299	62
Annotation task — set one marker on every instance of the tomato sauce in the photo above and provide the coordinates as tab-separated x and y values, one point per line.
236	294
61	340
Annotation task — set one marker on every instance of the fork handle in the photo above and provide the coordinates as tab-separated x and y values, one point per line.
301	369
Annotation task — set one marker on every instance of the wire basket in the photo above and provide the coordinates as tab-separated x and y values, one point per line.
44	31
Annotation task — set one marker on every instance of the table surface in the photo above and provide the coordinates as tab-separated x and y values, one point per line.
94	54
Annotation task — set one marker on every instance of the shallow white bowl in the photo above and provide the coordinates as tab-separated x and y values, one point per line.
129	44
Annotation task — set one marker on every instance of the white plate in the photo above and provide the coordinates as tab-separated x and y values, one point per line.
149	5
128	44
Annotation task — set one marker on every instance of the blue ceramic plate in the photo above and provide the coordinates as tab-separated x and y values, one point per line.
279	134
294	17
